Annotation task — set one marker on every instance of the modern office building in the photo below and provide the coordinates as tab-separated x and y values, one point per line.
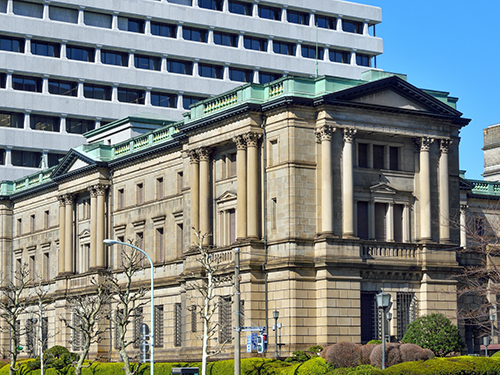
67	67
332	189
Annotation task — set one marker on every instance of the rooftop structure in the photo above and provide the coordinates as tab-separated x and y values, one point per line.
69	67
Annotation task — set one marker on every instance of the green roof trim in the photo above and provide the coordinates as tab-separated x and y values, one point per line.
486	188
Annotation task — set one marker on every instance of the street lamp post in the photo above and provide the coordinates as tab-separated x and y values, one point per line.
276	315
383	302
152	357
389	318
492	320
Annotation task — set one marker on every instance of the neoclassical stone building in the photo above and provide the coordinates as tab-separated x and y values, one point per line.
333	189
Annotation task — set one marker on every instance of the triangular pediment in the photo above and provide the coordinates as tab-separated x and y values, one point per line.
392	93
226	196
84	233
73	161
383	188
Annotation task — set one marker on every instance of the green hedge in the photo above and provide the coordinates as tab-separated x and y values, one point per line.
465	365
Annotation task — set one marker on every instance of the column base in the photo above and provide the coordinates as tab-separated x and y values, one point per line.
349	236
64	275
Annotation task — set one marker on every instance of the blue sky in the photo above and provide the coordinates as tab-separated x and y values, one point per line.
452	46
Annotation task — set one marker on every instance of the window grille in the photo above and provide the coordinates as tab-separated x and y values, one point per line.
407	311
177	324
158	326
45	333
194	327
77	333
225	321
369	317
117	332
30	336
138	320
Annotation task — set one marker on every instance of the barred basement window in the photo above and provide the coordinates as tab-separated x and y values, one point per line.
177	324
407	311
194	316
117	331
78	340
225	321
138	320
30	335
242	313
158	326
45	333
369	317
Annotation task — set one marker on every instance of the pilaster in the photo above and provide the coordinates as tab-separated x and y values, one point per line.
241	213
324	136
347	184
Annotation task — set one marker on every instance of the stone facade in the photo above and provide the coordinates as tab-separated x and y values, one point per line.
333	190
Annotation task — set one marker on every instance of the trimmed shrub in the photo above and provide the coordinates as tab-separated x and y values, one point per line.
453	366
376	342
435	332
412	352
315	366
429	353
315	350
360	370
343	354
392	355
366	351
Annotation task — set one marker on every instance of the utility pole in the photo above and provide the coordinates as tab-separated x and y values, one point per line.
237	312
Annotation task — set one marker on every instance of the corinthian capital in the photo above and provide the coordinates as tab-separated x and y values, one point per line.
349	134
325	133
203	153
444	145
251	139
240	141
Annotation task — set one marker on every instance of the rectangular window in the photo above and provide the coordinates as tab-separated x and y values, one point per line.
380	221
160	99
362	155
3	80
240	75
26	159
19	227
53	159
77	333
11	120
134	25
80	53
177	324
147	62
254	43
30	330
225	320
45	333
32	223
114	58
180	182
45	48
378	157
394	158
24	83
160	245
211	4
46	219
225	39
121	199
11	44
284	48
369	317
2	156
79	126
126	95
325	22
270	13
45	123
180	238
210	71
66	88
138	320
91	91
300	18
479	226
363	60
398	222
180	67
188	100
194	319
139	190
63	14
28	9
232	165
266	77
343	57
160	188
97	19
311	52
196	35
32	266
352	26
46	266
363	220
274	213
159	330
239	7
164	29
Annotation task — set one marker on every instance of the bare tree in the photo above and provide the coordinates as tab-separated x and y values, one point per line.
128	300
88	312
13	304
206	284
42	300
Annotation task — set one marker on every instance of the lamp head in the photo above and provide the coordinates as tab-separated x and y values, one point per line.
109	242
276	314
383	300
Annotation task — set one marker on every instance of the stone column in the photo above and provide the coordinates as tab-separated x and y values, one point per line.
324	136
347	184
463	225
444	198
252	140
371	220
195	192
425	188
93	227
389	221
100	226
241	209
62	234
406	223
68	234
205	222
